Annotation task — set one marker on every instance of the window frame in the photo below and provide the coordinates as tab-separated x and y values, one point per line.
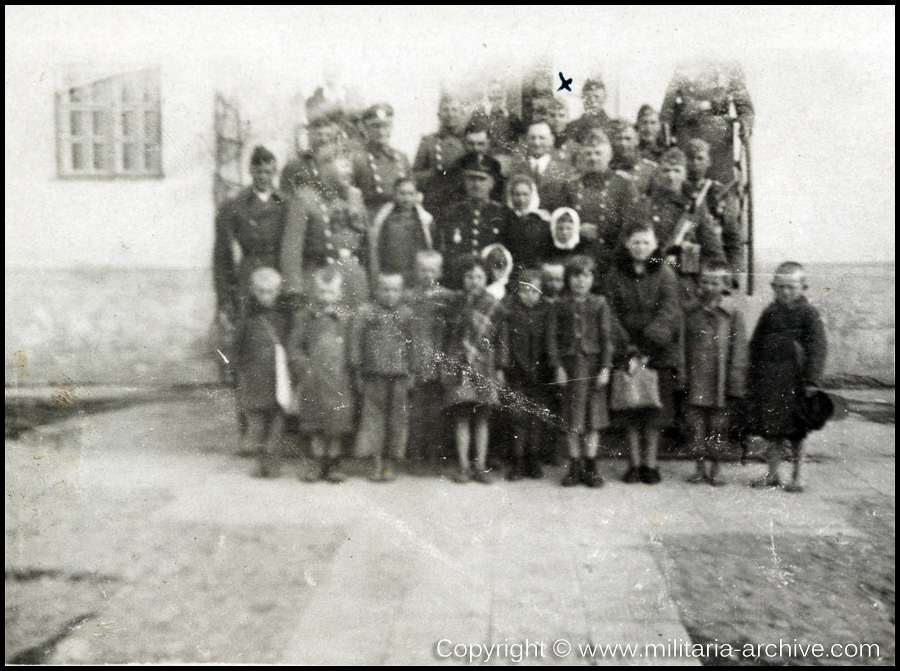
101	105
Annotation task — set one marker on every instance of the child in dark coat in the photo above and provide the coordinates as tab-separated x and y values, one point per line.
381	358
645	296
400	230
524	362
257	360
319	352
787	360
580	351
715	365
430	304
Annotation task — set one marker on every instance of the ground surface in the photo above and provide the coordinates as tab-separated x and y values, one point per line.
136	535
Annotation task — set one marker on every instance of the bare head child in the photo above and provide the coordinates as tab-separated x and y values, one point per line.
475	276
328	285
528	288
265	286
640	242
580	271
389	291
429	268
406	195
698	160
553	280
789	283
714	281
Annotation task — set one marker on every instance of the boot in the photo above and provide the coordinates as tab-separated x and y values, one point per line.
592	477
575	473
330	472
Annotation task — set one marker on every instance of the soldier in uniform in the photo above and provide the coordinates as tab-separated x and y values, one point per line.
327	224
652	141
377	168
543	165
476	142
721	202
593	97
709	100
627	161
325	140
464	228
504	126
249	230
605	200
686	233
439	152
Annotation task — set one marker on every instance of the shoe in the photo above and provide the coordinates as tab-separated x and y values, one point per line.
388	474
716	481
265	468
333	476
462	477
632	475
697	478
515	474
575	474
650	476
482	477
765	483
793	488
591	477
534	470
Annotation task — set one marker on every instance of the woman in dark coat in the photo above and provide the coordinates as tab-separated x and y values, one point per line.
645	296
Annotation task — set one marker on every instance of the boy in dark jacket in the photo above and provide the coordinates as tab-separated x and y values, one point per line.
524	362
380	358
260	334
787	360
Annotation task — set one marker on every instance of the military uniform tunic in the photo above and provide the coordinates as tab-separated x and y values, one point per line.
466	227
437	155
376	170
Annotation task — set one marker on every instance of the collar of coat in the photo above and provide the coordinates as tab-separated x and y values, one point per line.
249	193
425	220
625	263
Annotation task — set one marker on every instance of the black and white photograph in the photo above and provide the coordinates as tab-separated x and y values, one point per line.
468	335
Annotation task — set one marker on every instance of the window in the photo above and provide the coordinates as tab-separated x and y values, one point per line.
110	127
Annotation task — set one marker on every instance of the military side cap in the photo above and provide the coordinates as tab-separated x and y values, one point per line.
480	165
381	112
673	157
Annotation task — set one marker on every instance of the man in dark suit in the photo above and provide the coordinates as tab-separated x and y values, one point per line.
549	172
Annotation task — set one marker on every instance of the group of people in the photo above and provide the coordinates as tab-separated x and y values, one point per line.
532	283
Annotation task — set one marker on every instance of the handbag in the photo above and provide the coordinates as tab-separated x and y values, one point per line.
636	389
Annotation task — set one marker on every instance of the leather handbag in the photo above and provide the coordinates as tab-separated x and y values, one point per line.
636	388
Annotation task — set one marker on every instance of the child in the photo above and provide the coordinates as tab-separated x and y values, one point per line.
499	264
644	294
471	377
260	334
716	362
380	355
580	350
400	230
553	283
524	363
429	303
787	360
317	348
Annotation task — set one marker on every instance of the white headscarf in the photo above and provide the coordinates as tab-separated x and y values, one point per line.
497	288
533	205
576	233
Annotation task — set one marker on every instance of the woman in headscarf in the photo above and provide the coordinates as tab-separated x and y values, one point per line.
528	239
565	233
